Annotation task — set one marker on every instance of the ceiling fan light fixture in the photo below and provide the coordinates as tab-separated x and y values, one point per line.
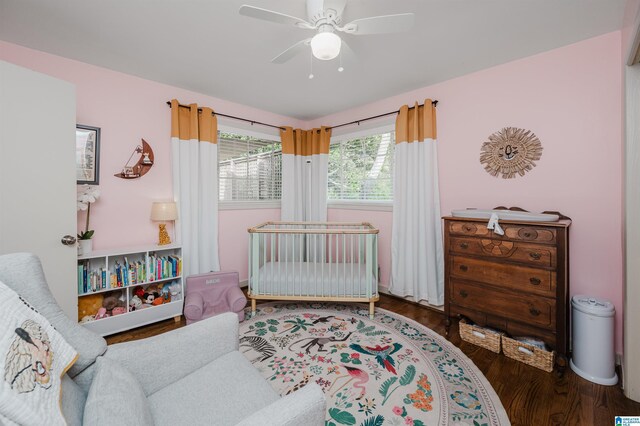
326	45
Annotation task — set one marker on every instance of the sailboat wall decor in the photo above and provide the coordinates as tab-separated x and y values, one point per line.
142	166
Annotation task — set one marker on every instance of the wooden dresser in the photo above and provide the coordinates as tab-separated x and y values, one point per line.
517	282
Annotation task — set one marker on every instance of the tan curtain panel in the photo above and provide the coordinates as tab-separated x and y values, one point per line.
417	123
189	123
305	142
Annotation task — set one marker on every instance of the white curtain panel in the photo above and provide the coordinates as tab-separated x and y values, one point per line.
194	155
417	265
305	168
304	187
304	199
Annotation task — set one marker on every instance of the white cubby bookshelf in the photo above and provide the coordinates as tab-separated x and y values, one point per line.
104	264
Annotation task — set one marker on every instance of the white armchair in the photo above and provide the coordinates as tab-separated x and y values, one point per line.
190	376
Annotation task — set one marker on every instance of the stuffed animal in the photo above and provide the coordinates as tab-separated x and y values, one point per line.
166	293
112	300
174	289
88	305
150	297
159	300
135	303
87	318
102	313
139	291
118	310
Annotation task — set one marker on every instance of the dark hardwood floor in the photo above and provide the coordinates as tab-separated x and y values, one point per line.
530	396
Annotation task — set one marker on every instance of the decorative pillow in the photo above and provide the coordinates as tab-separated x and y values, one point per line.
33	359
116	397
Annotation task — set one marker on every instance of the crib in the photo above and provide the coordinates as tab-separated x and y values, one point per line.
313	261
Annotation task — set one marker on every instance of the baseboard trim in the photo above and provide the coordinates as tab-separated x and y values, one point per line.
244	283
384	289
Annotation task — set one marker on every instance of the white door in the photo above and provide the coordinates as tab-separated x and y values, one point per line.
37	175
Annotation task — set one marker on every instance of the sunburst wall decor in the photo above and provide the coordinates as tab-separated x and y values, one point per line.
510	151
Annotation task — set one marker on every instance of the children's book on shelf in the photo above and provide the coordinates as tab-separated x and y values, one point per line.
125	273
126	288
91	280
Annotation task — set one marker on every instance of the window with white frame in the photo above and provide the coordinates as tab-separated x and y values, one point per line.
249	168
361	169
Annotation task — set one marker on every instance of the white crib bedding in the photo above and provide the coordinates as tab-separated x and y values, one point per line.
312	279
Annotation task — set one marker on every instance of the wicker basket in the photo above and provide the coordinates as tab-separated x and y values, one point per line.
479	336
528	354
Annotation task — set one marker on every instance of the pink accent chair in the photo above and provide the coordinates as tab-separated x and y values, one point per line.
211	294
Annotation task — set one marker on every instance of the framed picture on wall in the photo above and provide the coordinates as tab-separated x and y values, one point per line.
87	155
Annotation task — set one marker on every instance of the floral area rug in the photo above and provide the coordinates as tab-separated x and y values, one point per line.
386	371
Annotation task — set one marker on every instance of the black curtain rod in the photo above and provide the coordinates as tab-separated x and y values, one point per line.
234	117
434	103
373	117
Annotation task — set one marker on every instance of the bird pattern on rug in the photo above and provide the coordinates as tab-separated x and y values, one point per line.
382	354
357	376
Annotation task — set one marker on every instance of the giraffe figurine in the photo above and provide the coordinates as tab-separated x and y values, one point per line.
163	235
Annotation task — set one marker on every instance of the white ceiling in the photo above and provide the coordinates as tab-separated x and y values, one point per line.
207	47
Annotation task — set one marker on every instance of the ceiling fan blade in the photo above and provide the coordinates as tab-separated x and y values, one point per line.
297	48
270	15
380	24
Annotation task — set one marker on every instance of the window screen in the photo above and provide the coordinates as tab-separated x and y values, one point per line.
249	169
362	168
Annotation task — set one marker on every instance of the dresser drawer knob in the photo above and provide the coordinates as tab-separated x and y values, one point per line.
534	281
464	268
464	245
528	233
533	311
467	228
535	256
463	293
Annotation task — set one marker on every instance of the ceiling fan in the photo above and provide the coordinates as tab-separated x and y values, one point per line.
325	17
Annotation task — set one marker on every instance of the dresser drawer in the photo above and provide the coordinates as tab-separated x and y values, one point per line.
534	310
520	278
532	254
528	233
469	228
478	317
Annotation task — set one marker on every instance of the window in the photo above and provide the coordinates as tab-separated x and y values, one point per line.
249	168
362	168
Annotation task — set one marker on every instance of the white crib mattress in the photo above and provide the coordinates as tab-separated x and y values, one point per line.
312	279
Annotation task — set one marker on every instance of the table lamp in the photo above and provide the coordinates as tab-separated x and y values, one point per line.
164	212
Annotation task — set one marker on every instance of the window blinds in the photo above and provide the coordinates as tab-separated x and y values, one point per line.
249	169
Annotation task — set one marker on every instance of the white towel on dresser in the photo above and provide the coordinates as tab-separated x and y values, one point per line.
493	224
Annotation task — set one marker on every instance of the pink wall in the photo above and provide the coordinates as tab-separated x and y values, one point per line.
128	108
571	98
234	238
